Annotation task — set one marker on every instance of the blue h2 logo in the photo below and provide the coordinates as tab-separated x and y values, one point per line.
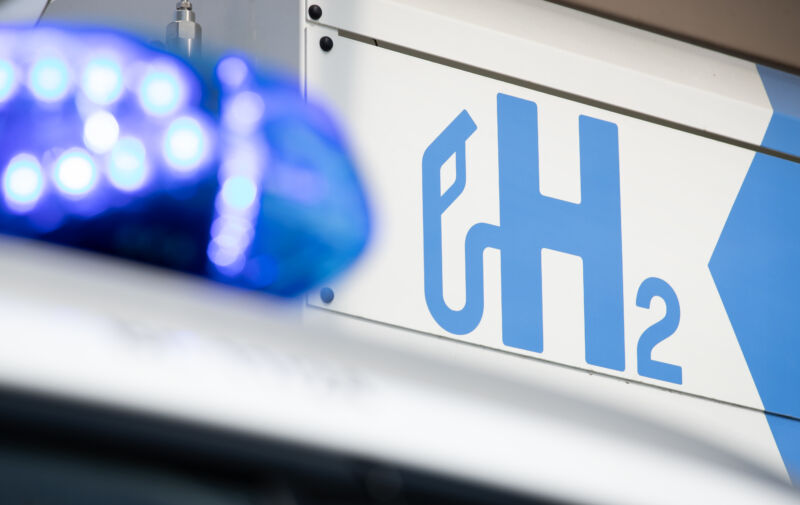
530	222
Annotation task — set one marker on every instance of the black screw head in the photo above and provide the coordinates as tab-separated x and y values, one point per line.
326	44
315	12
326	295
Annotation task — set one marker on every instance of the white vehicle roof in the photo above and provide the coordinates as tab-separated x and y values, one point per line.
93	329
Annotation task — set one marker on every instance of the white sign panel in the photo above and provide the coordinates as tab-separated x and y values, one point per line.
526	222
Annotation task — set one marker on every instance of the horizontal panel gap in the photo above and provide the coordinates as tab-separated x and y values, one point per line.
563	94
542	359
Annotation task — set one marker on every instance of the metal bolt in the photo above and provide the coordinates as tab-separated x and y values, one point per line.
315	12
184	34
326	295
326	44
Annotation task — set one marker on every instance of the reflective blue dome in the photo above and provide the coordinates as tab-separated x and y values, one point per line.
224	172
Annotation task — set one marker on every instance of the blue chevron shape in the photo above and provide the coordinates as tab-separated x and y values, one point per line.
783	90
756	268
786	432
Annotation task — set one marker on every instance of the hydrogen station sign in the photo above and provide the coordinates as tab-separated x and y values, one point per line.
540	225
530	223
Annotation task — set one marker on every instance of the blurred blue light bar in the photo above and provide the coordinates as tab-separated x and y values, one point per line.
223	172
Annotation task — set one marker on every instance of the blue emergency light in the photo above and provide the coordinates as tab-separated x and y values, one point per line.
112	146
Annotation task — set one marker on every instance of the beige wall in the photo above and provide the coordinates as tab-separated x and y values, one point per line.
766	31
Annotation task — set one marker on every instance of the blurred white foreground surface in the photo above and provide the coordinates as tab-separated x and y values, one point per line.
93	329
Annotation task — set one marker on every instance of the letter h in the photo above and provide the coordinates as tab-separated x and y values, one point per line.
530	222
